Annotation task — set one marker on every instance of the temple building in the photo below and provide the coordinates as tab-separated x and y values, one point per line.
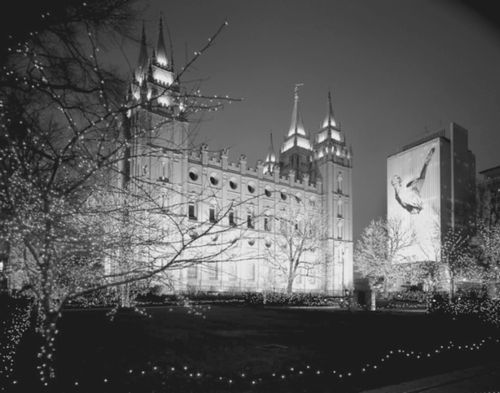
311	172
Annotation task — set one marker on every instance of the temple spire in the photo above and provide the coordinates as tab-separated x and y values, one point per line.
296	126
271	159
161	49
271	155
142	64
297	136
329	119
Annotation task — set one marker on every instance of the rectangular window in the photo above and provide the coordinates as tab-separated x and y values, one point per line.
192	211
250	223
211	215
232	221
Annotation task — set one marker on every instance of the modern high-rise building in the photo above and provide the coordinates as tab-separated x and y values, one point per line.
431	188
310	173
488	194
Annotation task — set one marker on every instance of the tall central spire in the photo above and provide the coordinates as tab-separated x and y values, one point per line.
161	49
296	126
297	135
329	119
271	159
142	65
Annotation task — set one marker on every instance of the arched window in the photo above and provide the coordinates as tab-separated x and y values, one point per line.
164	171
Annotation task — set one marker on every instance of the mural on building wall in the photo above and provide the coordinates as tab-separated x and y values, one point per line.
414	198
408	196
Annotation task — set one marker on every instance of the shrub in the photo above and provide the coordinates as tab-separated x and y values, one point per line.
471	304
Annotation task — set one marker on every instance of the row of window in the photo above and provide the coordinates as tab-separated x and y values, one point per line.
251	188
250	220
214	272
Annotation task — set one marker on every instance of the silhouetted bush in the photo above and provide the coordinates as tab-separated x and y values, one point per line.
471	304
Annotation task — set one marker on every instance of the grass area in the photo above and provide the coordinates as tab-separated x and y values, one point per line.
228	347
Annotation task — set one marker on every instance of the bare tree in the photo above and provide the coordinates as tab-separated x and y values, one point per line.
298	235
70	225
379	254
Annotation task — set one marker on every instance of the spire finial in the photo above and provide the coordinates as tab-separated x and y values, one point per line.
296	90
161	49
296	125
143	56
330	118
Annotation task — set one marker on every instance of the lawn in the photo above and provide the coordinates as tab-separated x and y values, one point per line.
255	349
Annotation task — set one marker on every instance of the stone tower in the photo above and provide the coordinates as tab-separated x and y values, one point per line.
333	166
156	124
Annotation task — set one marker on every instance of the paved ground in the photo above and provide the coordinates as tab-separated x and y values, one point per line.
482	379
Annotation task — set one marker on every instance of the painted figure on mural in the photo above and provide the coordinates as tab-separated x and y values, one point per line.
408	196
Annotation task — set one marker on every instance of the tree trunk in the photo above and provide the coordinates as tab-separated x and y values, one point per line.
373	300
289	286
125	301
46	355
452	286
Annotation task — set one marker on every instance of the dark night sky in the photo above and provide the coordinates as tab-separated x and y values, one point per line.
397	69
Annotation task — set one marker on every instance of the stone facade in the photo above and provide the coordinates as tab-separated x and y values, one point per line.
313	176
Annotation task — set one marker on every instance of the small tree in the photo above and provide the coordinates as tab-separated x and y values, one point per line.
456	257
486	244
379	252
298	235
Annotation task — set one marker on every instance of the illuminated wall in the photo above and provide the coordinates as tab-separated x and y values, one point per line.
415	197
